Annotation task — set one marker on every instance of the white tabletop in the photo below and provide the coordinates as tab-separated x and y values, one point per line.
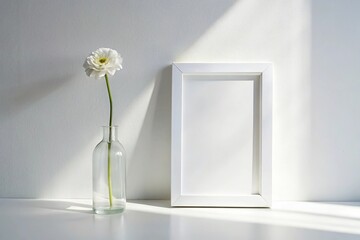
73	219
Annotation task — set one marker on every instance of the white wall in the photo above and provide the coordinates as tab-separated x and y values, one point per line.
51	113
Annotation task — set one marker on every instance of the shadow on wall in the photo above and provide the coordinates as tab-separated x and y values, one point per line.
28	90
150	165
36	118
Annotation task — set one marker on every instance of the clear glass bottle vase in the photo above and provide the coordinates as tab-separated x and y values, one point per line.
109	174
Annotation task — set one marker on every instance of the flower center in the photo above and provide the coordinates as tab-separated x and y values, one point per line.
102	60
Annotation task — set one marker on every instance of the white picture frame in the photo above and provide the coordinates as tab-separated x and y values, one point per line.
221	150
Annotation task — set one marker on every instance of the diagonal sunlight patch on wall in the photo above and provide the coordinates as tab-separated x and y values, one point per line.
279	32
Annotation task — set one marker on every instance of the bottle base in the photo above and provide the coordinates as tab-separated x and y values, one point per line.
107	211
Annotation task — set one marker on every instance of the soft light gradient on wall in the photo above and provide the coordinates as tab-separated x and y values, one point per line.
51	113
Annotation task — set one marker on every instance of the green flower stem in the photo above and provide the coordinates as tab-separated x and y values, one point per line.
109	143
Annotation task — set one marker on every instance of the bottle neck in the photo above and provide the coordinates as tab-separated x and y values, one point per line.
110	134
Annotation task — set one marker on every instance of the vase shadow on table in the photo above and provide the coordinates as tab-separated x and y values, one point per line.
68	206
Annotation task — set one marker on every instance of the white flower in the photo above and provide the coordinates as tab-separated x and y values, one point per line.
102	61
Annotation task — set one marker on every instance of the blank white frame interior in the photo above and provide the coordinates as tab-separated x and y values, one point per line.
221	149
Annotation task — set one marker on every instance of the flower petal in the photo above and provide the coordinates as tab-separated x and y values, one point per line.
97	69
111	72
